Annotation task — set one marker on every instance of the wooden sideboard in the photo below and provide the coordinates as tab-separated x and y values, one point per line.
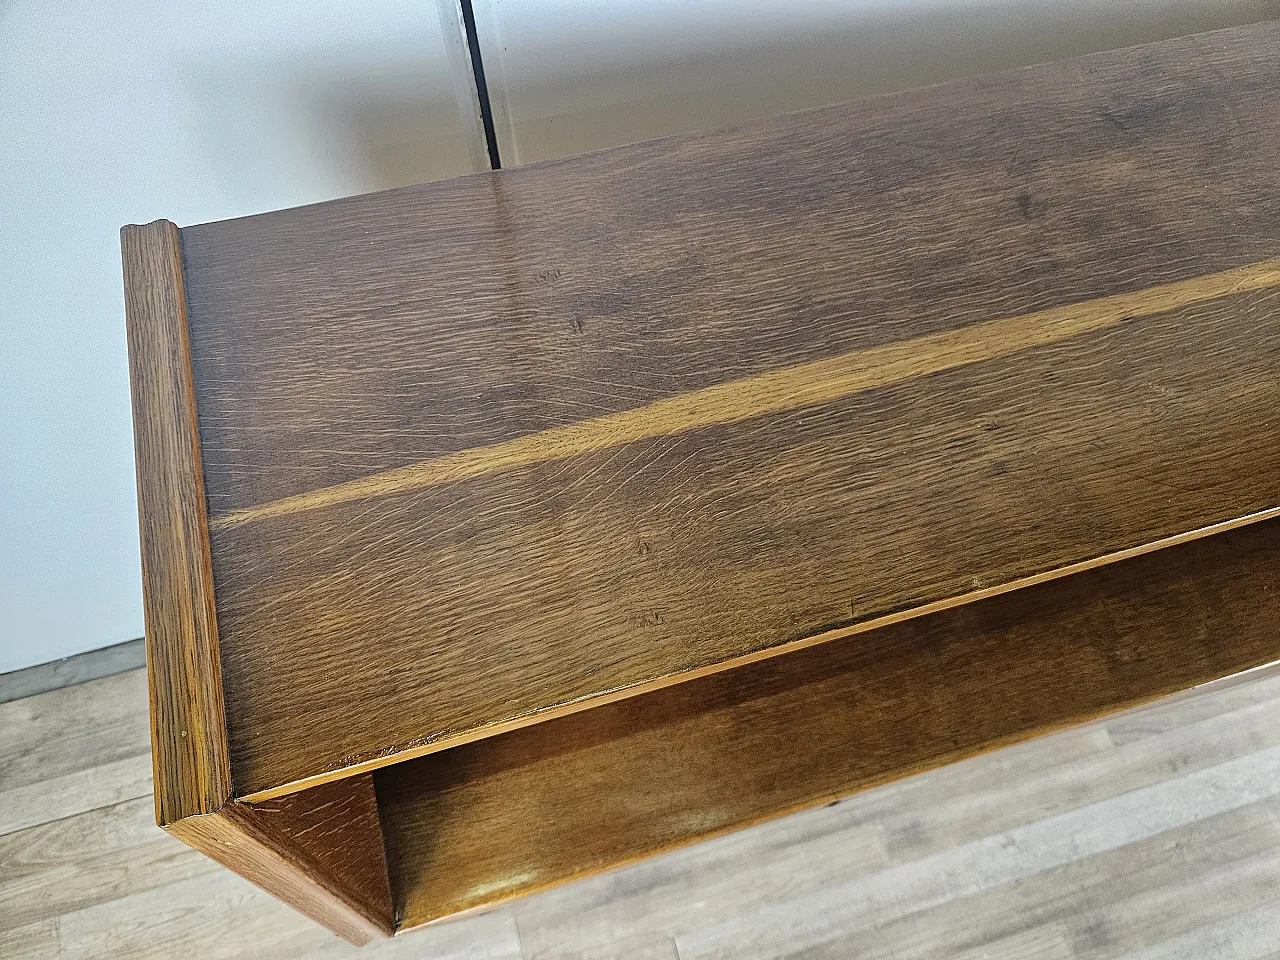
506	529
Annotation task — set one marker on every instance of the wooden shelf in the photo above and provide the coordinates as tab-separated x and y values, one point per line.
466	489
508	815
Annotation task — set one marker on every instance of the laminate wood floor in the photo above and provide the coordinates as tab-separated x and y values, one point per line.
1155	834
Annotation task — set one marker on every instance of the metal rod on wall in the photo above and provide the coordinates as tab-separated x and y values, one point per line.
481	87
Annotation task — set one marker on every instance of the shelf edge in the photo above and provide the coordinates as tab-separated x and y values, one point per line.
190	757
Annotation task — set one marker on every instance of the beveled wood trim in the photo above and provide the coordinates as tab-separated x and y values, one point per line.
278	849
188	727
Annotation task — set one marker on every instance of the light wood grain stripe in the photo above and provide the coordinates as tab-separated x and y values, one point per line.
803	385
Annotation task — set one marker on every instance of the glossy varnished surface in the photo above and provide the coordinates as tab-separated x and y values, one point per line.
507	815
458	471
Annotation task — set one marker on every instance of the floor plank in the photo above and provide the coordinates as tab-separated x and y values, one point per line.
218	916
1043	943
36	941
955	812
1189	863
1245	937
80	668
64	796
490	936
97	857
1255	687
223	916
74	749
73	729
781	922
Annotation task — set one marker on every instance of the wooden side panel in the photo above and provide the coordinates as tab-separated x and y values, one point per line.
505	816
188	732
320	851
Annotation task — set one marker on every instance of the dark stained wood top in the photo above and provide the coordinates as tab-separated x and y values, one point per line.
483	451
508	815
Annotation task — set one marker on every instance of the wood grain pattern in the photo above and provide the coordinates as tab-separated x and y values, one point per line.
320	851
515	444
188	735
461	314
498	818
816	383
334	831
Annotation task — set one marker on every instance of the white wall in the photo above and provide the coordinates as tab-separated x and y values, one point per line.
117	112
123	112
578	75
